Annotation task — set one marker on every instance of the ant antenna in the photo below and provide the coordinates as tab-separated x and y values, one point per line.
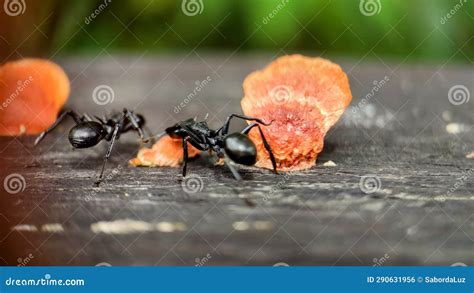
159	135
205	117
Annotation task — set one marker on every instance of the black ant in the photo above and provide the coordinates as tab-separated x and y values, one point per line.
236	146
89	132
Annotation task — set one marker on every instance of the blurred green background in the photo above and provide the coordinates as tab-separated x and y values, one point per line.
412	29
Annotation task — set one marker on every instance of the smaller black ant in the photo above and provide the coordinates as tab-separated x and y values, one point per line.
89	132
236	146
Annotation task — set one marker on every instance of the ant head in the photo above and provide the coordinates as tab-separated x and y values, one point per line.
179	129
86	134
171	131
240	149
175	131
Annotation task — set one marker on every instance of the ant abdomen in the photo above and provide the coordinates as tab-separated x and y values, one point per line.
240	149
86	134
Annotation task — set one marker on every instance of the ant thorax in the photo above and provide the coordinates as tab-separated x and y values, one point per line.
201	128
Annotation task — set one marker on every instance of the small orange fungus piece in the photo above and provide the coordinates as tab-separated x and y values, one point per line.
166	152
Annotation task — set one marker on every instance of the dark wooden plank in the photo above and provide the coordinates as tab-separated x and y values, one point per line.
320	216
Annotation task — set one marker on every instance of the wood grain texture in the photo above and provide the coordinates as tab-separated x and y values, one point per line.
422	212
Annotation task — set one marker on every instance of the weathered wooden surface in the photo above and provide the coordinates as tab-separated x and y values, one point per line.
317	217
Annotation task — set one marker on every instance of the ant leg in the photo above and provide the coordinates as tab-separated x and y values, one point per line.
134	120
74	115
86	117
100	120
149	133
232	169
248	128
225	129
201	146
265	143
107	155
185	155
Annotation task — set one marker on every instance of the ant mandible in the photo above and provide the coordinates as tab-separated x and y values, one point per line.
236	146
89	132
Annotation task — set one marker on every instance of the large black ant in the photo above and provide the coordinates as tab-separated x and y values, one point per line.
236	146
89	132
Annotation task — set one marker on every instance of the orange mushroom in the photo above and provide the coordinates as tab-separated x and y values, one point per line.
32	92
304	97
